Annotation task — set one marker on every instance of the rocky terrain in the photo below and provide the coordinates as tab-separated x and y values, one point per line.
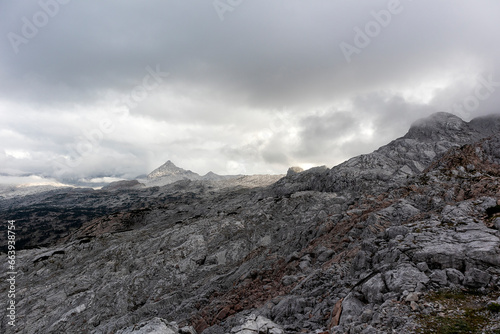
47	214
403	240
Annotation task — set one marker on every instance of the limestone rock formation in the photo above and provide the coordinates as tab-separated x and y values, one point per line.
294	170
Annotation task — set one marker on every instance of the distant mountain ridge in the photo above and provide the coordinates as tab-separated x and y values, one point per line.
170	173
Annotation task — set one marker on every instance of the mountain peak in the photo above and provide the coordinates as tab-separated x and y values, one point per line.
438	119
170	169
211	176
489	125
437	126
168	164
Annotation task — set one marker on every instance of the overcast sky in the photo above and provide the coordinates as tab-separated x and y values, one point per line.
98	88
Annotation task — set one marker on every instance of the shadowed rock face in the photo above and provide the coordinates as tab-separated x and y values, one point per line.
347	249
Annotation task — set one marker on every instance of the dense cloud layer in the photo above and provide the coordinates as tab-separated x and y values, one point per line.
92	89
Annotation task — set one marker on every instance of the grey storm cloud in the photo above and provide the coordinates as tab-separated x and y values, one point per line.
67	66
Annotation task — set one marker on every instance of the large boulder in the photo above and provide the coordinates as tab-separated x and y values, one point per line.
374	289
351	309
405	277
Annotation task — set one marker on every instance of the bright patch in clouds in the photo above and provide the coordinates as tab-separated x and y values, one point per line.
18	154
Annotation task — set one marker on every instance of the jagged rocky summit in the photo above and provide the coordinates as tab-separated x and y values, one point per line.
169	169
404	240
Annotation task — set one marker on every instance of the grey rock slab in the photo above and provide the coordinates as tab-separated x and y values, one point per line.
352	308
412	297
439	277
404	277
454	276
395	231
256	325
290	306
187	330
153	326
374	289
475	278
496	223
452	249
294	170
423	267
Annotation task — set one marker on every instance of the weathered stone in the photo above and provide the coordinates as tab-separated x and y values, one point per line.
366	316
289	280
423	267
289	306
294	170
374	289
155	325
412	297
351	309
453	249
454	276
360	262
256	325
370	330
216	329
496	223
439	277
325	255
405	277
475	278
187	330
394	231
